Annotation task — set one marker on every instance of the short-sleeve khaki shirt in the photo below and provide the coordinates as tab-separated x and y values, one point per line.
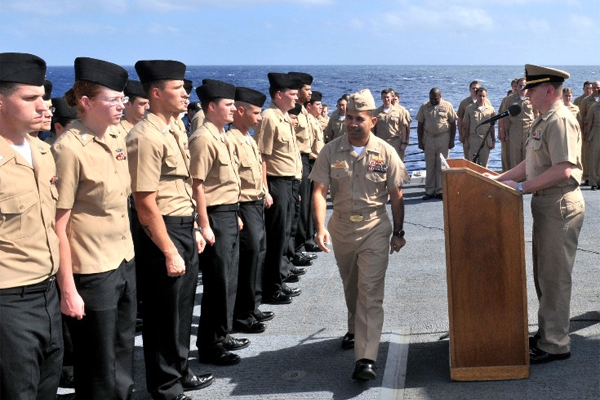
474	115
159	162
359	183
593	118
123	128
94	184
197	121
304	134
317	136
28	195
335	127
521	122
555	138
390	124
277	144
436	119
212	162
249	165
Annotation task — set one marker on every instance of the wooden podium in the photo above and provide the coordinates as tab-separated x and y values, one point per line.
485	266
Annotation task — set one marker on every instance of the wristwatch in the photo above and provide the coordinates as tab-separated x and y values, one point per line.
199	229
400	233
520	187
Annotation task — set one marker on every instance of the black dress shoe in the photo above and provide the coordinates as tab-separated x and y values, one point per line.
291	278
182	396
539	356
252	327
439	196
292	292
67	381
67	396
427	197
364	370
236	344
222	358
348	341
312	247
310	256
298	271
533	341
301	261
277	298
194	382
264	316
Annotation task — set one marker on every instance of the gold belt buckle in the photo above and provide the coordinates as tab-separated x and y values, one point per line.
356	218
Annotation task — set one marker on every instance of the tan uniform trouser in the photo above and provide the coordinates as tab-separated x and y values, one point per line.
362	252
516	147
557	221
593	170
504	155
484	154
434	146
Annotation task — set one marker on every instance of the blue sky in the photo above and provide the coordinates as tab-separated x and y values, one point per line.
305	32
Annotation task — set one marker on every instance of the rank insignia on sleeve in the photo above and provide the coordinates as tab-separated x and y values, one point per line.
537	134
377	165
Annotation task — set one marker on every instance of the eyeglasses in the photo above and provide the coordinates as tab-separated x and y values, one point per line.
114	100
51	109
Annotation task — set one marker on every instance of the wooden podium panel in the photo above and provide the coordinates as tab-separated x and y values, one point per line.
485	266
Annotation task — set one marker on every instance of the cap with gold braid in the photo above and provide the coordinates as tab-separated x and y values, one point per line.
361	101
536	75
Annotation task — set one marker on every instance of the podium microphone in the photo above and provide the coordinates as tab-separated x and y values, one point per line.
513	110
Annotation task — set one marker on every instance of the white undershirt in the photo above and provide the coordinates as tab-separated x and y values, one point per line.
358	149
25	151
386	110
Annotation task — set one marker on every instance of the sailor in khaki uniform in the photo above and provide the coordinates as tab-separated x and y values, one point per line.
136	105
363	172
587	91
393	123
552	172
516	128
503	140
162	187
592	135
462	107
336	127
97	272
247	317
436	132
30	327
217	192
282	167
473	116
567	95
62	117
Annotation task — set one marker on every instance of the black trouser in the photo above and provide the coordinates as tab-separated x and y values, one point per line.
219	280
137	233
103	340
287	265
278	224
168	304
31	344
306	226
252	256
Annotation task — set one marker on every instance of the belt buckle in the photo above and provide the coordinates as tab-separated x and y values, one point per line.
356	218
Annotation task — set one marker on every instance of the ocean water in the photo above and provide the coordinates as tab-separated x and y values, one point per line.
411	82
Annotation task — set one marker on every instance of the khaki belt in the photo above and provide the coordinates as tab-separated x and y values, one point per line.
360	216
554	191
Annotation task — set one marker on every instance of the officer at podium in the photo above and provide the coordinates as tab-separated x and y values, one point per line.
551	172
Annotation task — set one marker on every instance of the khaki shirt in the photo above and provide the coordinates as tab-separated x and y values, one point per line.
520	123
579	99
197	121
436	119
575	111
586	104
474	115
390	124
317	139
335	128
304	135
359	183
213	163
593	118
277	144
323	121
159	162
94	184
249	165
28	195
555	138
122	128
